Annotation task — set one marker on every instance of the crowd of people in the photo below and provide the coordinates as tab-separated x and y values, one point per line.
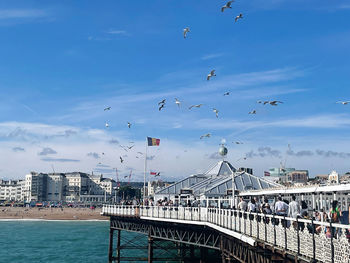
297	210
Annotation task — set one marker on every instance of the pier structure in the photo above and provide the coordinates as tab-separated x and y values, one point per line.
237	236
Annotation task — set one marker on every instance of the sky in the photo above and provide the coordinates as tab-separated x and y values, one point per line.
63	62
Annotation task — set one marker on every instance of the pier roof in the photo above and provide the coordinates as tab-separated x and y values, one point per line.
216	181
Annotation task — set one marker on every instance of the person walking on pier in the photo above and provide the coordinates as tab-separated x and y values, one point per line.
335	214
294	210
281	208
242	205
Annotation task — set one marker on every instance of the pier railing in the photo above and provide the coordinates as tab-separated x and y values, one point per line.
303	237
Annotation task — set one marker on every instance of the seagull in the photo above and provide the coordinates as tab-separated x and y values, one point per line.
238	142
252	112
226	93
157	174
107	125
343	102
161	107
121	159
124	148
240	16
162	102
177	102
216	112
186	30
108	108
211	74
130	147
126	176
140	153
274	102
129	125
227	5
196	106
205	135
244	158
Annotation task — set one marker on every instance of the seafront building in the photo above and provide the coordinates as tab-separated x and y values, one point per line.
58	187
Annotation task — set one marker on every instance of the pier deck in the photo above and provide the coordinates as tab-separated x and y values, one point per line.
239	236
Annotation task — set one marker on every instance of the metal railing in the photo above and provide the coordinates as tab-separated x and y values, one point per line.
303	237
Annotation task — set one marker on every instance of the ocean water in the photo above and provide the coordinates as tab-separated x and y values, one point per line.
40	241
54	241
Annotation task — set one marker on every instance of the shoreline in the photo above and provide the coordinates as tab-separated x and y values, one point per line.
50	214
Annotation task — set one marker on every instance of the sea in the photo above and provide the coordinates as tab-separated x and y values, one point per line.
56	241
74	241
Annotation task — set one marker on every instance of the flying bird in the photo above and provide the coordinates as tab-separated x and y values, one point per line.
240	16
162	102
205	136
196	106
252	112
121	159
343	102
140	153
129	125
157	174
130	147
126	176
177	102
226	93
211	74
108	108
274	102
238	142
216	112
161	107
107	125
227	5
124	148
186	30
244	158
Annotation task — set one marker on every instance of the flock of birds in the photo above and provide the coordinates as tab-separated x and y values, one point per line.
212	73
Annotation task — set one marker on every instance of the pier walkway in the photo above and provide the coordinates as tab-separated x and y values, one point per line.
287	236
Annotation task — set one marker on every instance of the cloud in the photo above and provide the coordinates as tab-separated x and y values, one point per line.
151	157
18	149
211	56
47	151
61	160
102	165
264	152
300	153
214	156
117	32
93	155
329	154
113	141
22	13
103	170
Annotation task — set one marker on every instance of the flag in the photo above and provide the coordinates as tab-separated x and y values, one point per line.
266	173
153	141
152	173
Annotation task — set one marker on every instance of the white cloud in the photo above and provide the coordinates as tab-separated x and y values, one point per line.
117	32
211	56
22	13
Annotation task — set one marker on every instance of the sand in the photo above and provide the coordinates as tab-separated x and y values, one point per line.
51	213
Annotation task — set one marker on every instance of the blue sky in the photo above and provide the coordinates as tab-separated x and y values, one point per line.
63	62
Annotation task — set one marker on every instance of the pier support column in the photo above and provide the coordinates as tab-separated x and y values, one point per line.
110	249
203	252
150	249
118	246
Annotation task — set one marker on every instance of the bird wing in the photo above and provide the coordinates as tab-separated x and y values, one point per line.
223	8
208	77
212	72
191	107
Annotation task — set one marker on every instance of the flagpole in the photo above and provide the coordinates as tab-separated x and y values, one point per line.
144	175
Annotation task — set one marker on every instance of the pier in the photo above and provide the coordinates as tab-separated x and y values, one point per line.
235	235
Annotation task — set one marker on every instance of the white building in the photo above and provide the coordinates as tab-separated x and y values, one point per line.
55	187
11	190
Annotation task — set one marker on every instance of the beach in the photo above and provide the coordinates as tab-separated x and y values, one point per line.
53	213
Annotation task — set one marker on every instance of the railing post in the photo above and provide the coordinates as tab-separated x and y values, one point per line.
274	229
298	236
332	245
313	239
285	231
